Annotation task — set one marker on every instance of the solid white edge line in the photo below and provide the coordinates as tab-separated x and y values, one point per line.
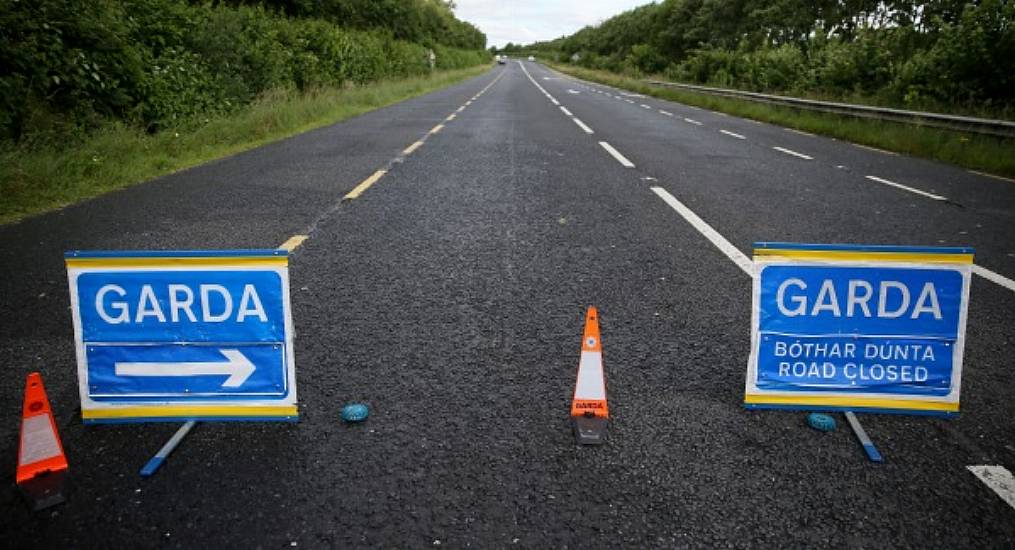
582	125
907	188
731	134
794	153
720	242
616	154
801	132
994	277
999	479
564	110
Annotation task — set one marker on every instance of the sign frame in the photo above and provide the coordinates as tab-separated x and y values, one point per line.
207	406
839	256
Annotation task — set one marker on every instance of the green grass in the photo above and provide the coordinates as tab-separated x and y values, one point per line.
973	151
49	177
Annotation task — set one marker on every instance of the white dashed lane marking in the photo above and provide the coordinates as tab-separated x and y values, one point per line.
731	134
616	154
793	153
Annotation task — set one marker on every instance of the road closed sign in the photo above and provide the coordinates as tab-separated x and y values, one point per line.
176	335
871	328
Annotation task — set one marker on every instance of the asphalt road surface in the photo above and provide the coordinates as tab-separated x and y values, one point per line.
450	296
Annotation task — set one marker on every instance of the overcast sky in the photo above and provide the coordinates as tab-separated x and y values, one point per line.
526	21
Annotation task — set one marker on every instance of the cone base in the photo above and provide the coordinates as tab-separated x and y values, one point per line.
44	490
590	430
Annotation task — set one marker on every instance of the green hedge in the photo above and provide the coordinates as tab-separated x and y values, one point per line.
67	66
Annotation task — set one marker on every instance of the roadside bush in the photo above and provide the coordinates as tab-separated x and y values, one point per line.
70	65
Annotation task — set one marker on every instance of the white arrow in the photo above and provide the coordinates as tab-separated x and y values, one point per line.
239	368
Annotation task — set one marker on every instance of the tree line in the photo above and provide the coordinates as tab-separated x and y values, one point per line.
941	53
69	66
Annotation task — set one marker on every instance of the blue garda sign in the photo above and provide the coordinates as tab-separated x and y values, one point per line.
183	335
858	327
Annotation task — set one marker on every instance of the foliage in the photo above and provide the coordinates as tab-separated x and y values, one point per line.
69	66
940	54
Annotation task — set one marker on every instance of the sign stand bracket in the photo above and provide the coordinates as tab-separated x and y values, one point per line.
156	461
868	446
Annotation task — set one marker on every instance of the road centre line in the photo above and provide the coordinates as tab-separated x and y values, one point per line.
720	242
408	150
643	106
451	117
794	153
999	479
436	129
582	125
994	277
616	154
907	188
554	101
692	121
731	134
564	110
293	242
667	113
460	109
631	101
365	184
467	103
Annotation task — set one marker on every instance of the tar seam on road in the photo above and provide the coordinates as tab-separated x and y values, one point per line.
720	242
582	125
616	154
907	188
293	243
999	479
794	153
731	134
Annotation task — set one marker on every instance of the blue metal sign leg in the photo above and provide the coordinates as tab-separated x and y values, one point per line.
868	445
156	461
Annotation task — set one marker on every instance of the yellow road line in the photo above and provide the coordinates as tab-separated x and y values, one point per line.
293	243
437	128
359	189
408	150
451	117
460	109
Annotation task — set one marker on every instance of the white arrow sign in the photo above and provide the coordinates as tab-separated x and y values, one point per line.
239	368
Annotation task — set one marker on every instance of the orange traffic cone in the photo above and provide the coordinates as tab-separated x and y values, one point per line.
42	466
588	408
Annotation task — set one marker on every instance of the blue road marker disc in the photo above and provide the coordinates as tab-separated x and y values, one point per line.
821	422
356	412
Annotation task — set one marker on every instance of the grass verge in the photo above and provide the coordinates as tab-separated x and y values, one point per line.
51	177
973	151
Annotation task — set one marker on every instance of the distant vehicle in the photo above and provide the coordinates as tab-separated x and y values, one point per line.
502	60
532	58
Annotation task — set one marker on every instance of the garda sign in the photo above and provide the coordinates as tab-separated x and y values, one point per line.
177	335
872	328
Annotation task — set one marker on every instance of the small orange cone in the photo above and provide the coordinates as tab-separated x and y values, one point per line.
588	408
42	466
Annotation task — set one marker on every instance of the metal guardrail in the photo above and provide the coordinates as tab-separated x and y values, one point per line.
1003	128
